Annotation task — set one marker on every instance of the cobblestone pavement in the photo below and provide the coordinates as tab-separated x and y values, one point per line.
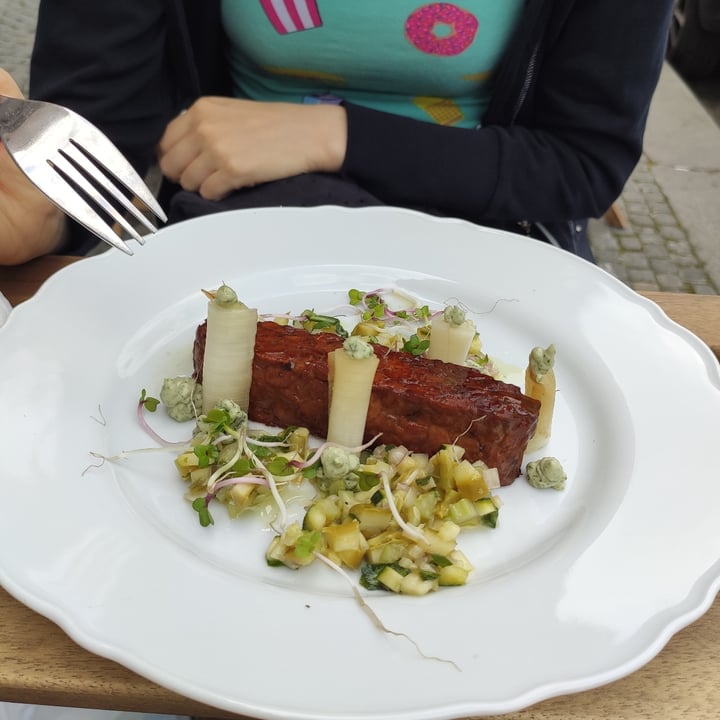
17	28
653	253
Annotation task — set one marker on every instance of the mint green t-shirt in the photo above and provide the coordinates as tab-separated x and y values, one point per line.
431	61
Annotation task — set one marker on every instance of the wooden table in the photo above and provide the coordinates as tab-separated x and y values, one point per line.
40	664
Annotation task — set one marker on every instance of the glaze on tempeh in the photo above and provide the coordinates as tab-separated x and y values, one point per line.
416	402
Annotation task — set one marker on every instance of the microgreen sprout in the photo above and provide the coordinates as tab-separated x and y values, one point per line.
151	404
201	507
282	510
220	472
415	346
374	307
206	454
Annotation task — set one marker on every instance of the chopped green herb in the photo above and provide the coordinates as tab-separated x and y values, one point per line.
441	560
367	480
313	322
369	574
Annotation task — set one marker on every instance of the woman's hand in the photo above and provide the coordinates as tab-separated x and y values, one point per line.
222	144
31	224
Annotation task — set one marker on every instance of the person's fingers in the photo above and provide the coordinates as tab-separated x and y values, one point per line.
8	86
197	172
176	161
219	184
175	130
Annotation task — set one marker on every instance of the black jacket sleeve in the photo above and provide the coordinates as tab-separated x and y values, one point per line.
561	137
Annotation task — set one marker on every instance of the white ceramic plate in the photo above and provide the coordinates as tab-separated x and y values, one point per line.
573	589
5	308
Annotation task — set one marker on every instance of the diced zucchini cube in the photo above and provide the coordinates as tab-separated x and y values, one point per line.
387	552
185	463
452	575
391	579
425	505
436	545
463	513
413	584
322	512
346	542
199	477
469	481
487	511
373	520
241	494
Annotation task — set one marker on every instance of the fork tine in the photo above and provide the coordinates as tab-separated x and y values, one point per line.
60	192
66	168
86	176
87	166
103	152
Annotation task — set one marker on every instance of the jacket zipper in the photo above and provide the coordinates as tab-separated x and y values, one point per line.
525	225
527	82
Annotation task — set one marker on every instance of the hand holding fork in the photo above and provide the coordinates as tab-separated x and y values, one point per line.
75	166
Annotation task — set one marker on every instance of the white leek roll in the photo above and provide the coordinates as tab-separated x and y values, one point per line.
229	350
351	371
451	336
540	385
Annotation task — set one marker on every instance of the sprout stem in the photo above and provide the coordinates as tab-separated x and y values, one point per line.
373	615
214	478
408	529
282	510
243	480
157	438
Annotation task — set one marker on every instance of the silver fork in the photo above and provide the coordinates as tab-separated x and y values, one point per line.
78	168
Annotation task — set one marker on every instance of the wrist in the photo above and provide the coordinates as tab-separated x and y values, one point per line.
329	124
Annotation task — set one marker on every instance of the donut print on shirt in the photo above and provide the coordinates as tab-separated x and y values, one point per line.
441	29
443	54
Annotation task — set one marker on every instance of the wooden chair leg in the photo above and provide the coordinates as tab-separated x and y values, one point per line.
616	218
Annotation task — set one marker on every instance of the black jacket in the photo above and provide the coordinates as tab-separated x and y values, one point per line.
561	136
